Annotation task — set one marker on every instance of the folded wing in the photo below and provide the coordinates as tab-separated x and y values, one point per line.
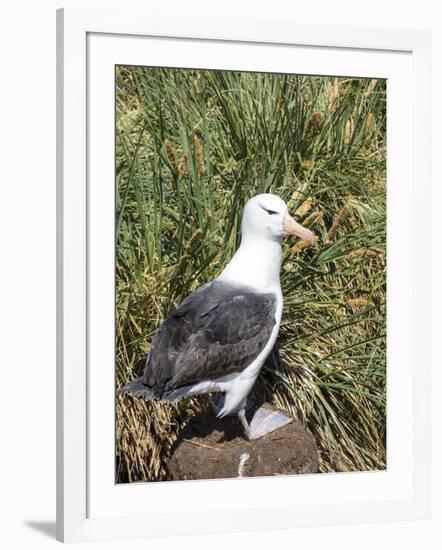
219	329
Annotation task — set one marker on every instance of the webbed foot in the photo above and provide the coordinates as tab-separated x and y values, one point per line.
264	421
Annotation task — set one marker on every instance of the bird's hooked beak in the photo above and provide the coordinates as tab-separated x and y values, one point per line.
291	227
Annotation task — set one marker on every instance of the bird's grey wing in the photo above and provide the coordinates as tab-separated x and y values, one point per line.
229	329
229	338
217	330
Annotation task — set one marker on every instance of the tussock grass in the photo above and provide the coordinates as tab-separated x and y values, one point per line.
191	148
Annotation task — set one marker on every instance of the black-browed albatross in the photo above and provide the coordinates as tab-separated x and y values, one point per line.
220	336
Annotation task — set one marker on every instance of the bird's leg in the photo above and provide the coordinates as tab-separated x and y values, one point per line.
245	424
216	404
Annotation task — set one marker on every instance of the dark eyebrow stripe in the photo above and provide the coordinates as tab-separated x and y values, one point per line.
267	210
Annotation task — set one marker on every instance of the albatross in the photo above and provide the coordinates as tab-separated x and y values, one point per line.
219	337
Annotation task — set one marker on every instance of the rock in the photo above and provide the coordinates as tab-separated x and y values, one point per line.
211	448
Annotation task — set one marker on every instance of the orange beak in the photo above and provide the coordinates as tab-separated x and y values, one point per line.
294	228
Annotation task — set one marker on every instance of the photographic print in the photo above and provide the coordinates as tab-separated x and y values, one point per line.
250	274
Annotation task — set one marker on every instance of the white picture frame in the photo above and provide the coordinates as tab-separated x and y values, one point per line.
89	505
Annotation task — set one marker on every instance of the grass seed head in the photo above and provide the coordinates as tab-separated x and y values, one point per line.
358	303
182	167
199	155
313	218
332	92
170	151
348	131
304	208
315	123
343	214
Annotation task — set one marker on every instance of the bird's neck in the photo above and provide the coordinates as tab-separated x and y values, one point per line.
256	263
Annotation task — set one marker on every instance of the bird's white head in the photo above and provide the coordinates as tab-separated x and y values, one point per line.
266	217
257	261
